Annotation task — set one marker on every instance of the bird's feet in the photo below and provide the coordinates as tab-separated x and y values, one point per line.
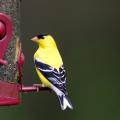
39	86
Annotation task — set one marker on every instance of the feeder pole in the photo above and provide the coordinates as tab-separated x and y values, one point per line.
11	8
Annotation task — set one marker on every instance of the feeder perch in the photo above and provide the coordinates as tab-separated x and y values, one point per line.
10	92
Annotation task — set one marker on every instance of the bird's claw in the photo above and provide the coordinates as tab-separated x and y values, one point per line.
38	86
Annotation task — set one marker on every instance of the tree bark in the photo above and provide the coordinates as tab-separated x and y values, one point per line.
12	9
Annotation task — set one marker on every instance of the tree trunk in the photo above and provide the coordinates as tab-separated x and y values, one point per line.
11	8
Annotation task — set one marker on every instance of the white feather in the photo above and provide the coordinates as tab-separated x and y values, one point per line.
65	101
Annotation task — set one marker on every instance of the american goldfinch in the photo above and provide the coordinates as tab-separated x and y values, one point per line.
50	69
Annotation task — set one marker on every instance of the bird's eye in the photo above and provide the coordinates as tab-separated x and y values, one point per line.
41	36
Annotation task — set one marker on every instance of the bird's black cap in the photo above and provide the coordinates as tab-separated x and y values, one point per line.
41	36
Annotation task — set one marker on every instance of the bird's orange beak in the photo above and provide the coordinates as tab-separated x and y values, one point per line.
34	39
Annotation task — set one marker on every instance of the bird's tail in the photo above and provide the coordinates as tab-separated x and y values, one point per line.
64	102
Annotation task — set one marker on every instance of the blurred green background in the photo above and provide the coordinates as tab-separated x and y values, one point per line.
88	35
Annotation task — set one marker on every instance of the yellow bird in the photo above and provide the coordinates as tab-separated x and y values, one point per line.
50	69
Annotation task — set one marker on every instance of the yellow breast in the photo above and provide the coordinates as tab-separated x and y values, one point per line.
43	79
49	56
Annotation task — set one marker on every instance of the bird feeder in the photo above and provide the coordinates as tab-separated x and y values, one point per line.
10	90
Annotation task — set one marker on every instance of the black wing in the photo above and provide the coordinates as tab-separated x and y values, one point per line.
57	78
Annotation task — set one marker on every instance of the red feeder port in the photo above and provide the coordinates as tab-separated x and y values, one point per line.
9	94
